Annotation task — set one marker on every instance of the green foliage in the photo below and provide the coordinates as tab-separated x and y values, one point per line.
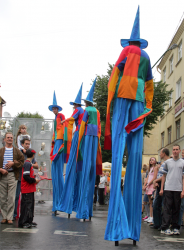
100	99
161	98
29	115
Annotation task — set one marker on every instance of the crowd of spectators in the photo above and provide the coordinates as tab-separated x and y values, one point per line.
163	190
17	175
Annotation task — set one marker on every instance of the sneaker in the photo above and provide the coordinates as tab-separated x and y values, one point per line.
26	225
168	232
176	231
34	224
145	218
150	220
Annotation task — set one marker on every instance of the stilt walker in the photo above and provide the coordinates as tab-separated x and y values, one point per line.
130	85
69	198
57	157
91	160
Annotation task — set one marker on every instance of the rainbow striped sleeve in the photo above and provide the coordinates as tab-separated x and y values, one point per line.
68	134
111	91
99	152
81	135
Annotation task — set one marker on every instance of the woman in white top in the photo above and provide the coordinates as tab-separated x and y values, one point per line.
101	189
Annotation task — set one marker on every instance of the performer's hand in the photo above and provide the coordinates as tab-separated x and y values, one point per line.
37	181
62	121
161	192
4	171
182	194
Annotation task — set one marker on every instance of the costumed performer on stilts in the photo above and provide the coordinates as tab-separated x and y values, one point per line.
55	155
130	84
90	132
69	198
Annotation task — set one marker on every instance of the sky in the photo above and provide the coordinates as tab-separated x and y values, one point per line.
48	45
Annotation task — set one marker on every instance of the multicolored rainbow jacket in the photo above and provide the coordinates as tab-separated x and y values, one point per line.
77	118
58	130
68	130
131	78
90	125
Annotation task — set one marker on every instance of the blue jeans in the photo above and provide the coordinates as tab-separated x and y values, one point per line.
181	212
17	198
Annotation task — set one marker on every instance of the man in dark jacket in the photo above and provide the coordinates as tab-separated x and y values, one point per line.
11	159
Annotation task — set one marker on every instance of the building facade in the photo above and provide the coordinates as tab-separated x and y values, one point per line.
171	124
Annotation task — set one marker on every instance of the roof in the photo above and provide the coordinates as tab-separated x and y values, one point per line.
174	40
2	101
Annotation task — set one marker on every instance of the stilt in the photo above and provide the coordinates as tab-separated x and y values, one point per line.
68	216
134	242
89	218
55	213
84	219
116	243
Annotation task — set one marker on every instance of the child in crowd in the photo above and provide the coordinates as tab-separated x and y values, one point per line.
152	175
22	132
28	187
145	200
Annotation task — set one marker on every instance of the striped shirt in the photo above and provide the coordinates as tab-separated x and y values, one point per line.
8	156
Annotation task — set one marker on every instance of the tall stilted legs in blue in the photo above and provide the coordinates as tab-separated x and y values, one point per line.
57	175
123	211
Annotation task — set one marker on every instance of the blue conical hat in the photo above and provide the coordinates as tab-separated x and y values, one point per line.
135	35
54	105
78	98
89	98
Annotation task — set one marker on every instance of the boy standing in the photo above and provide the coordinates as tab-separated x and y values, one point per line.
173	174
28	187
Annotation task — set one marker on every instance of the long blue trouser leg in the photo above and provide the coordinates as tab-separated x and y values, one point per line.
83	208
132	193
92	176
66	201
117	224
57	175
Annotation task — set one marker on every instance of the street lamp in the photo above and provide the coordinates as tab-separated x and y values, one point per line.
171	48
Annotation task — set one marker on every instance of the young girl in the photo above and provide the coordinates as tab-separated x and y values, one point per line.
28	187
22	132
149	185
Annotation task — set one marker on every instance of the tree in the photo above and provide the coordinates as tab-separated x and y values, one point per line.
160	100
29	115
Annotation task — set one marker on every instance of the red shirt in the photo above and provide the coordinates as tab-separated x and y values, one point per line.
26	187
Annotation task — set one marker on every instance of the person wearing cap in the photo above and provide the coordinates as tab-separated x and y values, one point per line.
28	187
90	160
130	85
56	156
69	198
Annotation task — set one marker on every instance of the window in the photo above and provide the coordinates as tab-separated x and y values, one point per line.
169	134
178	129
162	139
170	100
180	51
164	75
178	89
171	64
